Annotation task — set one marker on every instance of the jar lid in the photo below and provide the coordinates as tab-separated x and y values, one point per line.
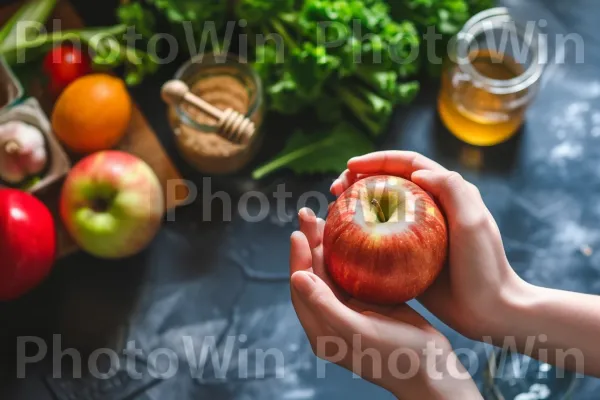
496	27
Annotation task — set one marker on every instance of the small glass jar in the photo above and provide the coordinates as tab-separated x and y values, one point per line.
225	82
491	77
510	376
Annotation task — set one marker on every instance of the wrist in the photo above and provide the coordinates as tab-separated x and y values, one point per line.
440	376
515	300
447	387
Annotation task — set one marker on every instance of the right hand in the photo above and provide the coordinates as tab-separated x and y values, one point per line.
368	339
479	281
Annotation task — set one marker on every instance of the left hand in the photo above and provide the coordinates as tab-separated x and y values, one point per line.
347	332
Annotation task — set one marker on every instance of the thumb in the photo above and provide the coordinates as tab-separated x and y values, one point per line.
325	305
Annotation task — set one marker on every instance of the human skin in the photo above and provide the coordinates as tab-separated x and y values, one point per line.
325	313
479	294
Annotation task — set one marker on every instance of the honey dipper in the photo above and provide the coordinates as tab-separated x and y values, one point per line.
231	124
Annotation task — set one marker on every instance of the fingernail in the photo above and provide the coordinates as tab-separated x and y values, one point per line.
333	185
306	212
303	282
295	233
422	173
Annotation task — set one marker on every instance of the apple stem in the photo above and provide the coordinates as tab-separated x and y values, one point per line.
12	147
379	210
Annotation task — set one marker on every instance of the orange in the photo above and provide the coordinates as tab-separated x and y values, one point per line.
92	113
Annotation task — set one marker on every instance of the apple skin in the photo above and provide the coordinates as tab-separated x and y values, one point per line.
112	204
27	243
390	262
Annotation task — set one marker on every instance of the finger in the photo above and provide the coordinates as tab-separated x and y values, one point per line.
320	270
313	229
438	297
456	197
345	180
301	260
300	254
325	306
393	162
320	227
406	328
402	313
475	189
317	330
490	217
310	226
341	185
313	327
361	307
405	314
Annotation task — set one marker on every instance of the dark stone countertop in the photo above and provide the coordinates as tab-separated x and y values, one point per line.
228	280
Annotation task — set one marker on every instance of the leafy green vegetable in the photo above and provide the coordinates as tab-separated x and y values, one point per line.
333	45
284	98
329	60
32	11
192	11
134	14
318	152
190	19
261	11
310	66
446	17
108	44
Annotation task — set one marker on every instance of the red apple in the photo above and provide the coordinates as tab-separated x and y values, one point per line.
112	204
385	240
27	243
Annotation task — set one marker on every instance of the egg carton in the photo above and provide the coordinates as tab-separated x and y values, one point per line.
10	88
30	112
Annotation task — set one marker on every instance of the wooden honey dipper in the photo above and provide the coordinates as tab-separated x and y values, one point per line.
231	124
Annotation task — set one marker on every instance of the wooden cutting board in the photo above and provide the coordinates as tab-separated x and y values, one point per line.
139	139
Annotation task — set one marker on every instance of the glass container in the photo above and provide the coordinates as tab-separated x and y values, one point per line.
513	376
492	75
225	81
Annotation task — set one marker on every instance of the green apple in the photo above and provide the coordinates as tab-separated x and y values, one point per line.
112	204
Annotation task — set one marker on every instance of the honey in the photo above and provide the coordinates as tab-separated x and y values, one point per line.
472	113
483	98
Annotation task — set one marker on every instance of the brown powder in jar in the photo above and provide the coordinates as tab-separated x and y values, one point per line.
208	151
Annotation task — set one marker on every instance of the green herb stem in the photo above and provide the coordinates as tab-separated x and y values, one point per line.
359	109
287	158
31	11
280	29
11	50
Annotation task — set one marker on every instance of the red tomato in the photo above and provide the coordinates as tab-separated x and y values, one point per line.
27	243
63	64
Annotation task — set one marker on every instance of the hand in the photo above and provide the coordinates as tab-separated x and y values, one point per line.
393	347
479	282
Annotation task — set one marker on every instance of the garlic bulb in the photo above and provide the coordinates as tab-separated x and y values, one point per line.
22	151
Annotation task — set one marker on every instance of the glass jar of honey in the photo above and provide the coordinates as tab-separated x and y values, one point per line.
490	78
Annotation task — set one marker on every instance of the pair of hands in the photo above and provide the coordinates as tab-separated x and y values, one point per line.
474	286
